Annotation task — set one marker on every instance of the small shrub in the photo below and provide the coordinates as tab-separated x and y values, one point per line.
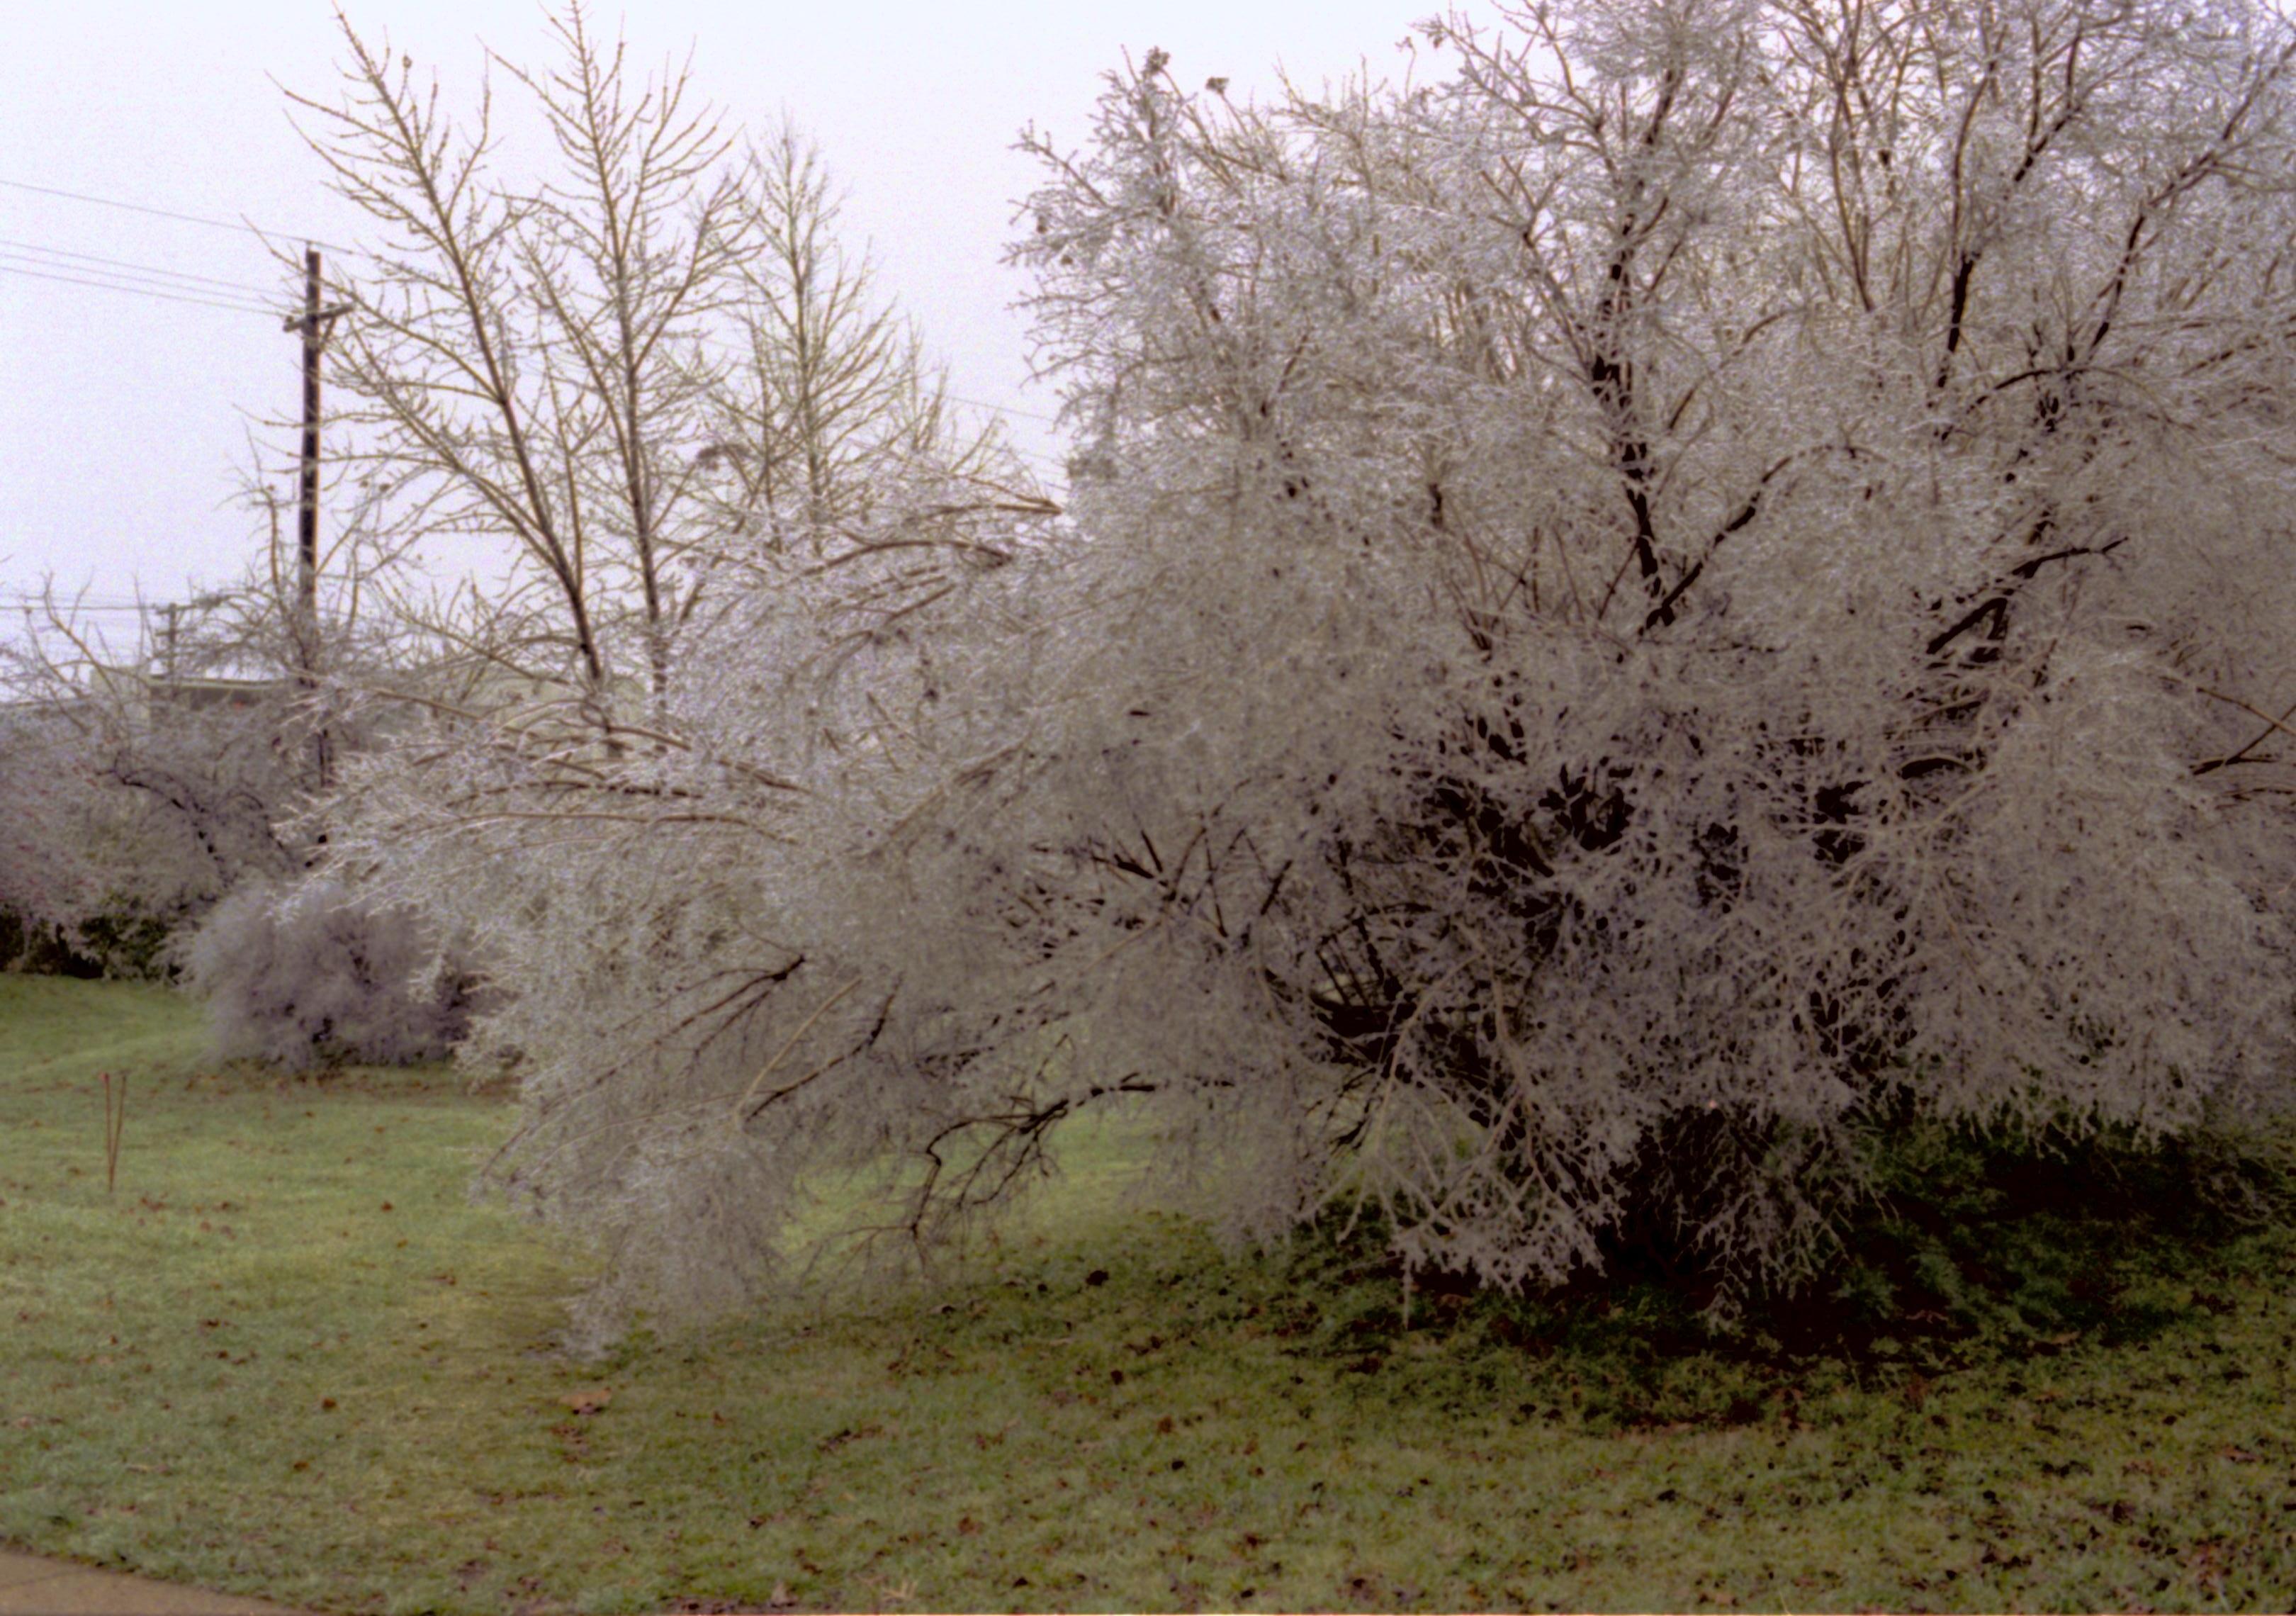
34	946
128	941
313	973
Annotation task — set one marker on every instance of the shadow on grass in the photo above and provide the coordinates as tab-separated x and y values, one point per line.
424	1080
1970	1252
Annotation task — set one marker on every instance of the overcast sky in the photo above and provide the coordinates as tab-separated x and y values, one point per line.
123	416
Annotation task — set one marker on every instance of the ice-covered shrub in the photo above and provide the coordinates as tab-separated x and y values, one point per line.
310	973
1667	651
90	885
135	793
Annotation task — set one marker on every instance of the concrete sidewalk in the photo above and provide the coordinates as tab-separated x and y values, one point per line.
32	1585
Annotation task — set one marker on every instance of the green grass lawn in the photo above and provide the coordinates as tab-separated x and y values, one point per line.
288	1356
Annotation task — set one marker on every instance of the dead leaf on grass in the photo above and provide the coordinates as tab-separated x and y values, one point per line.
589	1399
850	1434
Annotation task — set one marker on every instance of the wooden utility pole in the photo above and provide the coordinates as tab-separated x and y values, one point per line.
314	322
307	507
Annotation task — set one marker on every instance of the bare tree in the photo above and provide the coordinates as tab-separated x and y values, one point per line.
525	359
825	367
712	449
635	369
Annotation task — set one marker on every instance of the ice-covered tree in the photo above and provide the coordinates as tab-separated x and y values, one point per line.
1692	559
1698	580
53	832
142	783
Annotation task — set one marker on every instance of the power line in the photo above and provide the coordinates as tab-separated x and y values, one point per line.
15	600
142	292
149	271
1002	409
172	296
242	225
245	227
125	280
190	295
89	601
99	622
122	276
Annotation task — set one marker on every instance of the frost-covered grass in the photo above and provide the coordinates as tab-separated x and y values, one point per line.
287	1356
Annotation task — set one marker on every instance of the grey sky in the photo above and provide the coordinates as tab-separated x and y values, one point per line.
122	417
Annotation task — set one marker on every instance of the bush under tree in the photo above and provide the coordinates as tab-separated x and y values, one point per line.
307	973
